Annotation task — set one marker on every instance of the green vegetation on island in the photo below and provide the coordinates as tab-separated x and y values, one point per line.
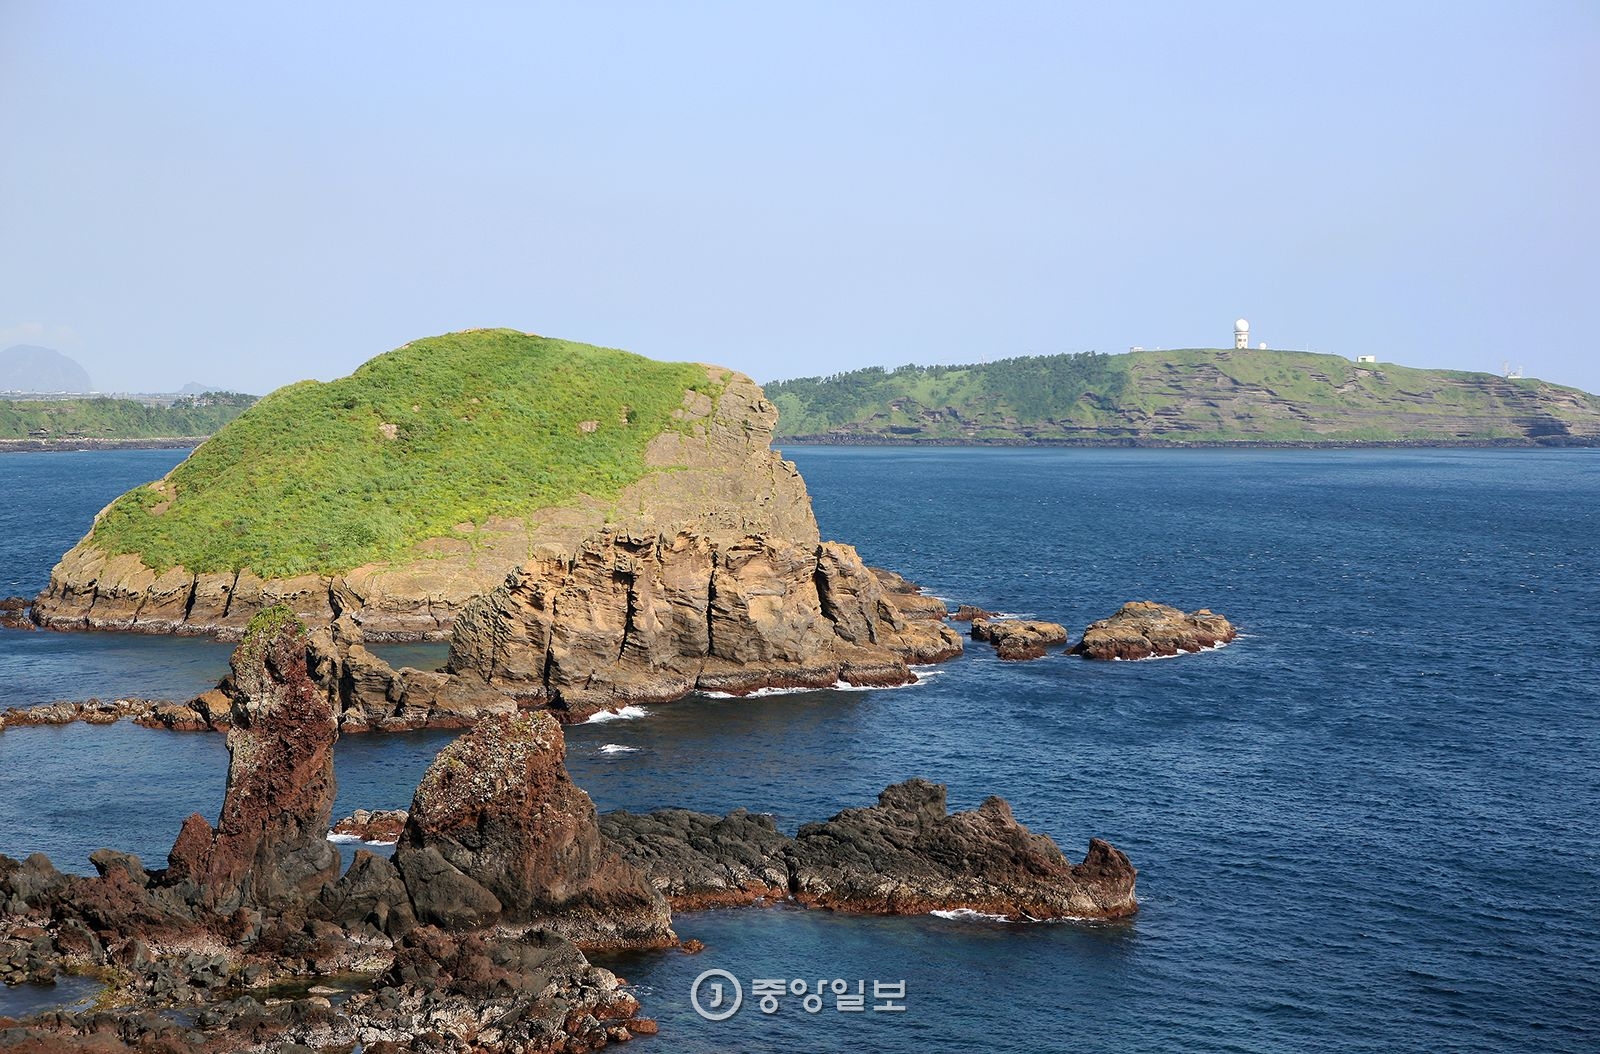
98	418
325	477
1193	396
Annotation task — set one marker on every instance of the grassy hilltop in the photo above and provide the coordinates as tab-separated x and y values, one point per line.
1193	396
119	419
325	477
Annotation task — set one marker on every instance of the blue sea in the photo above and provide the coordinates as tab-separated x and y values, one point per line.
1370	824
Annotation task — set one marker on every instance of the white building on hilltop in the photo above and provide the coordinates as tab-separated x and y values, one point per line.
1241	334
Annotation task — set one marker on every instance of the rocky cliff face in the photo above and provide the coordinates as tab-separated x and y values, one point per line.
636	617
714	473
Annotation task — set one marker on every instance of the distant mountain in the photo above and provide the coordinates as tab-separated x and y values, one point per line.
26	368
196	388
1204	396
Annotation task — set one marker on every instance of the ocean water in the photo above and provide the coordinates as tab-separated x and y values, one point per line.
1367	825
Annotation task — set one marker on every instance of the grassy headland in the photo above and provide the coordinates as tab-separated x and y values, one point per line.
325	477
1192	396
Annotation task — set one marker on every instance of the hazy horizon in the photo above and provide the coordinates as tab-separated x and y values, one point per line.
247	198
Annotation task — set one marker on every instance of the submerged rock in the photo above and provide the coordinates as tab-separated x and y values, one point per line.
1141	629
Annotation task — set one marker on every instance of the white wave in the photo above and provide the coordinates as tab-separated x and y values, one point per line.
916	671
759	693
618	748
969	914
627	713
1218	646
355	839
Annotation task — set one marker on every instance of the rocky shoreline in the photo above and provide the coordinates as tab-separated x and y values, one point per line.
472	935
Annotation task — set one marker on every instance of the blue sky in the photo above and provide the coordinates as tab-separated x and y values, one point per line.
249	195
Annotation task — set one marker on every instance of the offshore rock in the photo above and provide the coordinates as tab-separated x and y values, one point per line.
499	834
651	617
1142	629
269	849
382	825
905	856
699	861
1017	638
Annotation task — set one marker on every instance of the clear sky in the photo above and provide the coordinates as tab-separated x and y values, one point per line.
246	195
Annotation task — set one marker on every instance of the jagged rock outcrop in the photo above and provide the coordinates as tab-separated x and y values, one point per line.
499	834
650	617
712	472
372	696
699	861
270	847
907	855
1142	629
1019	638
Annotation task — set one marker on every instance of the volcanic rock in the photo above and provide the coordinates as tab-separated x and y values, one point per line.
907	856
269	849
904	856
699	861
1017	638
384	825
650	617
498	833
1141	629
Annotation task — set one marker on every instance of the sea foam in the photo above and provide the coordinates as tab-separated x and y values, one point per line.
627	713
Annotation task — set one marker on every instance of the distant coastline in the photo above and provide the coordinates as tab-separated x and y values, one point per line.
47	446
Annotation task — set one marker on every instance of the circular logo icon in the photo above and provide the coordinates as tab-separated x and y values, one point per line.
723	996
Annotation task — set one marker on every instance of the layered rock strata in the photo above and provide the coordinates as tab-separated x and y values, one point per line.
907	855
713	472
651	617
1142	629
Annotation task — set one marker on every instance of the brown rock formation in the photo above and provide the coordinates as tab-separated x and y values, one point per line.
651	617
718	476
1017	638
269	848
904	856
498	833
1141	629
382	825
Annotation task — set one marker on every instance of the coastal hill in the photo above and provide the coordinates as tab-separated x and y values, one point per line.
422	480
27	368
1202	396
